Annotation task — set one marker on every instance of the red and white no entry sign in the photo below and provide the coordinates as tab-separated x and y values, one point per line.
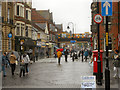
98	18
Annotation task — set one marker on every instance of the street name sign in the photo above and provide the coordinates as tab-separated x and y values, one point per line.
106	7
98	18
72	41
9	35
88	82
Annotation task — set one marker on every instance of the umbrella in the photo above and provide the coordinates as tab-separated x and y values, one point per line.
59	49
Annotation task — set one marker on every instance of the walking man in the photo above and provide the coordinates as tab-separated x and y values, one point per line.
66	54
13	62
59	54
86	55
82	55
3	64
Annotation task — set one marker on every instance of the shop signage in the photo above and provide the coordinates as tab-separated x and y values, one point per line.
88	82
21	42
38	43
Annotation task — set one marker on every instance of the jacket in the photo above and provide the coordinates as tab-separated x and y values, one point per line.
3	60
12	59
26	59
86	53
59	54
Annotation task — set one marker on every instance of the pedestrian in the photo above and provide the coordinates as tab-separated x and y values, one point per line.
90	54
22	65
3	64
26	61
7	59
79	54
117	64
59	54
66	55
86	55
12	62
47	54
82	55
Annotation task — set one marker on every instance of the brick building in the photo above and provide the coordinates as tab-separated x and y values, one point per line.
113	26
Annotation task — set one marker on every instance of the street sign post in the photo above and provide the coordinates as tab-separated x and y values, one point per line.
107	11
98	18
106	7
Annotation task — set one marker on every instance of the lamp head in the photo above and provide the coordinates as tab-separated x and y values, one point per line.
68	27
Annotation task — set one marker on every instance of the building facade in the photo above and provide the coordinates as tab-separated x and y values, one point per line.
8	27
113	27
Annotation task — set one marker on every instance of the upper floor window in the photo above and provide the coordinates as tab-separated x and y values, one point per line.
26	31
20	10
18	29
28	14
8	15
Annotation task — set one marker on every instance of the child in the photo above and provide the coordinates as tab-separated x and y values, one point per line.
22	66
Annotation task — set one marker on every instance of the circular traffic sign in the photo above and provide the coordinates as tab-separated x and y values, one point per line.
98	18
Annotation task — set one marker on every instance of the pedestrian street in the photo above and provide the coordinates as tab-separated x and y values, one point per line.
46	73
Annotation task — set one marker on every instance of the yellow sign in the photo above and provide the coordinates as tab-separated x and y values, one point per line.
106	39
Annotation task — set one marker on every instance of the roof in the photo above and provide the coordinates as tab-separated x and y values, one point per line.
46	14
41	25
36	17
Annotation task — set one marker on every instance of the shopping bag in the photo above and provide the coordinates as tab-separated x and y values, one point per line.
16	62
114	68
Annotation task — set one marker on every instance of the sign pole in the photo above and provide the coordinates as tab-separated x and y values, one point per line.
99	81
107	71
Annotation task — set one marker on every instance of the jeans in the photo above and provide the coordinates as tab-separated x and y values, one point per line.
22	70
13	66
3	69
26	67
117	71
59	60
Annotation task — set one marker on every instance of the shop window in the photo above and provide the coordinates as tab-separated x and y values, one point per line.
38	35
22	29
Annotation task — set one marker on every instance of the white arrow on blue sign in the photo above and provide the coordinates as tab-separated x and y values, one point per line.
106	7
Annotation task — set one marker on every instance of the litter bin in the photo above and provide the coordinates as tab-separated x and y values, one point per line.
95	66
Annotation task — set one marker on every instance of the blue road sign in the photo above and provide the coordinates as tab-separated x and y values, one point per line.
106	7
9	35
72	41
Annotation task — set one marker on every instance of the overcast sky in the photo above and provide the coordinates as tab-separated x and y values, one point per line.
65	11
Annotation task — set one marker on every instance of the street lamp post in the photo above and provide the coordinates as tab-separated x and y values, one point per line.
72	36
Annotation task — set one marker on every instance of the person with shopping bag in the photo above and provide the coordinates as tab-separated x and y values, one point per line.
59	54
117	64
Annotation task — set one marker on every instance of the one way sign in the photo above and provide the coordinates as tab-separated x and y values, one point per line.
106	7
